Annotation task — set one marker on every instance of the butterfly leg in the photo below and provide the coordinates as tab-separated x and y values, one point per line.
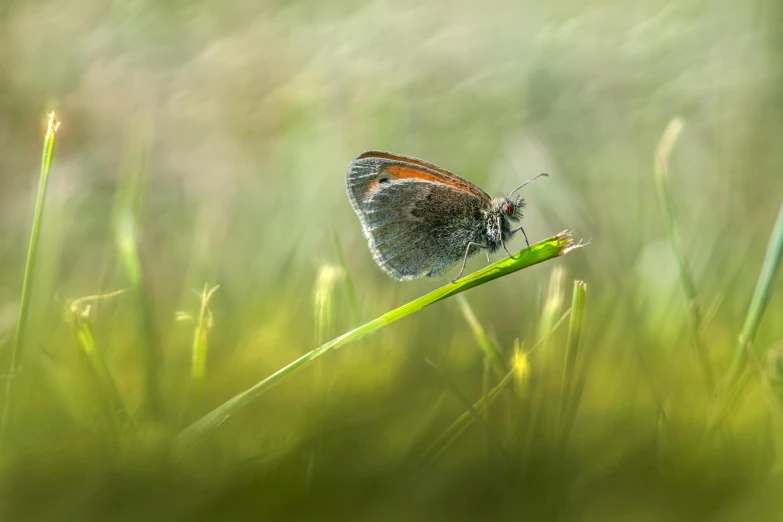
465	259
520	229
502	242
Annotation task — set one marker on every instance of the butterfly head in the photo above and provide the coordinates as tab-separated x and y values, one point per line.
510	209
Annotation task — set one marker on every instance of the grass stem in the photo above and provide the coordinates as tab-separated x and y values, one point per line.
200	346
551	248
95	362
353	302
128	204
568	391
736	378
518	374
491	349
27	283
662	154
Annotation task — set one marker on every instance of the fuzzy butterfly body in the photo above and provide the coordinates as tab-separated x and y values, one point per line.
420	219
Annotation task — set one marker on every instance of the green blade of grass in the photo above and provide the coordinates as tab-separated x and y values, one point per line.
762	293
463	422
735	380
29	270
546	361
95	363
491	350
324	303
517	374
199	350
486	368
200	346
548	249
520	363
483	421
353	302
662	154
570	394
324	314
128	203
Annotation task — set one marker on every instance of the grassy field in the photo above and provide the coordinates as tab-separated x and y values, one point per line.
195	239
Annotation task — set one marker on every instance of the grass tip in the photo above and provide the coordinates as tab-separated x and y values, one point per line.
666	144
520	363
53	123
570	245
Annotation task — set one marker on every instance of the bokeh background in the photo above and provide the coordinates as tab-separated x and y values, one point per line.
225	129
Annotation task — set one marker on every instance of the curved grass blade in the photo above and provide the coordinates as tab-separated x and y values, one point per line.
107	393
551	248
200	345
571	392
129	200
737	377
761	294
456	429
353	302
491	350
662	154
483	421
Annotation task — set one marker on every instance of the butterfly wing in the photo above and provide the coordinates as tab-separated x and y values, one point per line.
418	218
371	167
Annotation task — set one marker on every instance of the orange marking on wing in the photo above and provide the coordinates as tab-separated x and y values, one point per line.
405	159
405	172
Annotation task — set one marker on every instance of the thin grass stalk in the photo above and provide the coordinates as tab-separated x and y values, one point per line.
463	422
350	292
640	347
324	302
736	378
407	454
770	377
662	154
20	333
200	345
491	350
521	366
517	401
548	249
572	408
485	376
95	363
761	294
567	389
545	380
518	376
482	420
324	314
129	200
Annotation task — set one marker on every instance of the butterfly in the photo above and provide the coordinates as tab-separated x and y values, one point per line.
421	220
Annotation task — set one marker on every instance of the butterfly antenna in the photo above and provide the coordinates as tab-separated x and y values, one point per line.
527	182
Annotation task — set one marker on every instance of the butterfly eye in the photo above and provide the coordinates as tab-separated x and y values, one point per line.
508	208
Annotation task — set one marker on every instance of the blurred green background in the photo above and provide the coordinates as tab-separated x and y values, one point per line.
222	132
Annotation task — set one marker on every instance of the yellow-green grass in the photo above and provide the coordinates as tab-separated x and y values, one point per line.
256	111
